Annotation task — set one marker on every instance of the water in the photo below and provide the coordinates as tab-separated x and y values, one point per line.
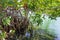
55	24
57	28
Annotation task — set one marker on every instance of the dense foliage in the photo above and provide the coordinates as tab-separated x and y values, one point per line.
22	19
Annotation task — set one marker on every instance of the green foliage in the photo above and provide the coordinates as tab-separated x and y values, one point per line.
50	7
39	7
36	18
6	21
2	35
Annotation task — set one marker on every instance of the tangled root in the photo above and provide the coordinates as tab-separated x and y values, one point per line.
18	22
